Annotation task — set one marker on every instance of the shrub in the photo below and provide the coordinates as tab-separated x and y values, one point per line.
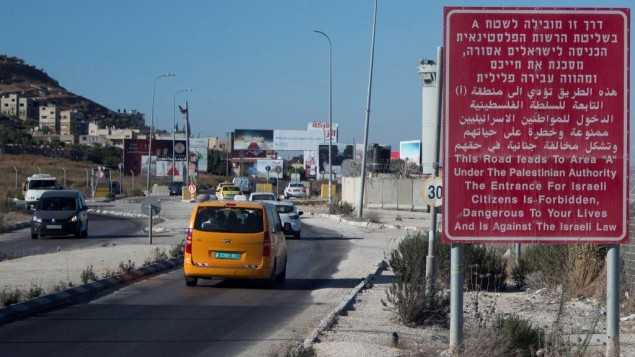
485	269
521	338
177	250
412	301
10	296
109	274
519	274
577	267
88	274
34	291
61	286
126	267
159	255
343	208
372	217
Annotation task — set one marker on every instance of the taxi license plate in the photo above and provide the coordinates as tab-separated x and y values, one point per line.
54	226
227	255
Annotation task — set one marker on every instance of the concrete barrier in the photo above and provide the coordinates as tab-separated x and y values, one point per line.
404	200
386	192
389	193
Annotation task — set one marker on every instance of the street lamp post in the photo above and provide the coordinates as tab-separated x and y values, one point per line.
360	194
154	91
174	126
330	113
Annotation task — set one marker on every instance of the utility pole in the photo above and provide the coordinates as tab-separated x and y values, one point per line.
187	142
330	114
174	128
227	151
154	90
360	194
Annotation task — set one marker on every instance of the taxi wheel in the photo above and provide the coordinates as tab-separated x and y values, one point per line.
189	281
280	278
34	235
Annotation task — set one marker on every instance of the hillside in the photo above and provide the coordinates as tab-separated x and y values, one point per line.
16	76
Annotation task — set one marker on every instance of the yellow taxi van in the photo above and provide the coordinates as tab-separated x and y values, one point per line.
235	240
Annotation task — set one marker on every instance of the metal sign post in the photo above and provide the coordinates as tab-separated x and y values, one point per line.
536	134
150	206
432	235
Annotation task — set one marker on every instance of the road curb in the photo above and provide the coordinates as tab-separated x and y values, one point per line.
15	227
119	214
365	224
346	304
82	293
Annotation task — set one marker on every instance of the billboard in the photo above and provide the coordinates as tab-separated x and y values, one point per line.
410	151
310	163
323	126
276	168
252	142
134	149
163	168
536	125
298	140
339	153
198	153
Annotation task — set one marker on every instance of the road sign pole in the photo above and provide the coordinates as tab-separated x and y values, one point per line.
456	299
613	301
432	236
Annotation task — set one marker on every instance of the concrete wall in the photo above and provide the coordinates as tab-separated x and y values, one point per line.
388	193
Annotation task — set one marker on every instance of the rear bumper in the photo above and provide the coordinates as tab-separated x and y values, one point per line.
195	270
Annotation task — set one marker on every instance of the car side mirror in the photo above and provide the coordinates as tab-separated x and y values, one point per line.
300	213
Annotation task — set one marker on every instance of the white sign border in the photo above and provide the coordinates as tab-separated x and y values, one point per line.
482	239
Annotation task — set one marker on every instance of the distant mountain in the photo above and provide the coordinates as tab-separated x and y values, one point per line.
16	76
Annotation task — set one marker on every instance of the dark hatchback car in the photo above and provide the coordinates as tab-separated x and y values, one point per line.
175	188
59	213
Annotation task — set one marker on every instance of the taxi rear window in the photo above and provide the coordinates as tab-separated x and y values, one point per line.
229	220
230	188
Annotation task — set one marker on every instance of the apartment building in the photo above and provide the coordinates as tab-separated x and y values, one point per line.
27	108
9	105
49	118
72	122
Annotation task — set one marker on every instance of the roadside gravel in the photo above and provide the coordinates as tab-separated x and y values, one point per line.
64	266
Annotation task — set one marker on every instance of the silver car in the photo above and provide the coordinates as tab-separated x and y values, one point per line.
290	218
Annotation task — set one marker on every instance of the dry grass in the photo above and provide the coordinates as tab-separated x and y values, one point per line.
28	165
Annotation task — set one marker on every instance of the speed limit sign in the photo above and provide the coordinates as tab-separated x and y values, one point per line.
433	191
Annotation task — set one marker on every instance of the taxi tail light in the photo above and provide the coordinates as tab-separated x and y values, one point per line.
188	241
266	246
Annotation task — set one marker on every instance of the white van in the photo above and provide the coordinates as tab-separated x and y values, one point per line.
36	185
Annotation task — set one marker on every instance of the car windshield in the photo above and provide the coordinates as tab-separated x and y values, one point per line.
263	197
41	184
58	204
285	209
229	220
298	185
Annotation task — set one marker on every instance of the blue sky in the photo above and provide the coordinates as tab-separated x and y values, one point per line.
251	64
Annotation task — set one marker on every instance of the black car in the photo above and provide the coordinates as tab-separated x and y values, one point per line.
58	213
175	188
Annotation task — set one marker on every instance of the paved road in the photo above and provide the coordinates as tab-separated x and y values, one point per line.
162	317
100	230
